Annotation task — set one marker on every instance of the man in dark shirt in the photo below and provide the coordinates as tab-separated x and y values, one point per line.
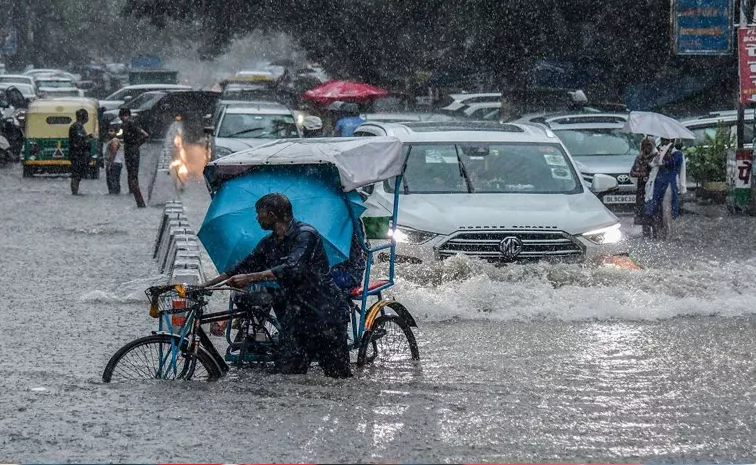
133	137
314	321
78	149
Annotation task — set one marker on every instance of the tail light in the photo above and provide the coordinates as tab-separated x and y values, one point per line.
178	319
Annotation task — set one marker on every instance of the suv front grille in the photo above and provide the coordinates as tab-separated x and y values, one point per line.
535	245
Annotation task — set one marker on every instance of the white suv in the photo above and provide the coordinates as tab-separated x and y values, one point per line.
501	192
241	126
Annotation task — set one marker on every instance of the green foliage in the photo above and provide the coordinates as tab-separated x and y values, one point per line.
708	162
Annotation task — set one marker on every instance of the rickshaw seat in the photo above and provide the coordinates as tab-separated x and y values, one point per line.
357	291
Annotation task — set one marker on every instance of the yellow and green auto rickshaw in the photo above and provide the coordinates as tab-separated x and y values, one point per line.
47	124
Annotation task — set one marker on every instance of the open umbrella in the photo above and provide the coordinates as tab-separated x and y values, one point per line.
230	230
655	124
343	90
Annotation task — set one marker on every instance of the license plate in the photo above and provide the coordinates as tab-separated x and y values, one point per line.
615	199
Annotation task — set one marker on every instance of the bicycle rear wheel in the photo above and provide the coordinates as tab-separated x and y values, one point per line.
389	341
151	357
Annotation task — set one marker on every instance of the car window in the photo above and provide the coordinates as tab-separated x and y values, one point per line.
56	84
258	126
144	101
489	168
363	134
585	142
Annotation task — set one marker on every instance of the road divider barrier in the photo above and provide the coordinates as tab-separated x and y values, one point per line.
177	250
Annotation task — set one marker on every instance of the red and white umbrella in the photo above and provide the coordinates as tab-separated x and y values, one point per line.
333	91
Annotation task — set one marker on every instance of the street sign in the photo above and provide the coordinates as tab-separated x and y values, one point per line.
8	41
702	27
747	64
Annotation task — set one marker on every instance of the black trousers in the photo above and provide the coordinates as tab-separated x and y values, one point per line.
303	339
113	178
132	174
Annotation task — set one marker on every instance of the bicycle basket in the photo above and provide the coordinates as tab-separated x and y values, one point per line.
173	300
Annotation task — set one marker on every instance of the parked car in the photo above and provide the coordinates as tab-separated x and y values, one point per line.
54	86
500	192
240	126
125	94
157	110
18	79
708	124
460	100
405	117
27	91
35	73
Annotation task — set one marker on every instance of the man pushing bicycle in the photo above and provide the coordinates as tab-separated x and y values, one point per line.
312	312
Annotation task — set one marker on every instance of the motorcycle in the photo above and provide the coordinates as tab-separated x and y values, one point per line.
5	152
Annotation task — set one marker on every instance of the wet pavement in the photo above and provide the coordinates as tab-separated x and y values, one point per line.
519	363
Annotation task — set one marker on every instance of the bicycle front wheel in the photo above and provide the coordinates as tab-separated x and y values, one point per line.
160	357
390	341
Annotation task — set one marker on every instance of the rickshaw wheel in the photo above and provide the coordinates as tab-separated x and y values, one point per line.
389	341
140	360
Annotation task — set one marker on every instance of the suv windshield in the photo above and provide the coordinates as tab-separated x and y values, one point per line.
258	126
56	84
488	168
584	142
144	101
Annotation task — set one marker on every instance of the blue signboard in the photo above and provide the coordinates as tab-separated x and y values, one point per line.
8	41
703	27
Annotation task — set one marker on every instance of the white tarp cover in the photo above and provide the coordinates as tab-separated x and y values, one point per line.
361	161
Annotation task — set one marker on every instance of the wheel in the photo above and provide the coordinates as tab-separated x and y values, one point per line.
28	172
93	172
389	341
261	341
141	360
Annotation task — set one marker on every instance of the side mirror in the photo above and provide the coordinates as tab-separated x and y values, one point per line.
128	98
603	183
208	130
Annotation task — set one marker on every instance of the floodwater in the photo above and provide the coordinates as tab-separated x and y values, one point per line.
526	363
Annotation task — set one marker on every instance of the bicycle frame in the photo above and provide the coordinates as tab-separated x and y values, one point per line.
359	329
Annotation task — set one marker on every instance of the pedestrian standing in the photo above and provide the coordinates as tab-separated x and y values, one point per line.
78	149
346	126
133	137
113	161
641	170
663	188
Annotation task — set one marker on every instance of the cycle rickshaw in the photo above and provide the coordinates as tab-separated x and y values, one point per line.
380	328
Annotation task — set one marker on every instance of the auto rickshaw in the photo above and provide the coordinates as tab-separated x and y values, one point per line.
47	125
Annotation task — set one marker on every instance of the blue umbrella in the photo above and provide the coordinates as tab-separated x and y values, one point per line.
230	230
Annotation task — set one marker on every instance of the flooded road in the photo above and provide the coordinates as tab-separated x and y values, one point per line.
527	363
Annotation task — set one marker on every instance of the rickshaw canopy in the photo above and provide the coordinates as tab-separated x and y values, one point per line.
52	118
360	161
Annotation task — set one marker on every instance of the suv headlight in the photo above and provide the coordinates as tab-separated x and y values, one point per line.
610	235
222	152
405	235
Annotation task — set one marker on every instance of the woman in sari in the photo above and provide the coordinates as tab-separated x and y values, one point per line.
641	170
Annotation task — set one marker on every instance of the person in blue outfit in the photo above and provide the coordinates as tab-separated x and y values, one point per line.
662	190
346	126
313	316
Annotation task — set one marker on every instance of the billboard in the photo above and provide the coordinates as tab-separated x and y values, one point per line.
702	27
747	64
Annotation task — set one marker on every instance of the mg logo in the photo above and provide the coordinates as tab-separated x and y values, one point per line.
510	246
